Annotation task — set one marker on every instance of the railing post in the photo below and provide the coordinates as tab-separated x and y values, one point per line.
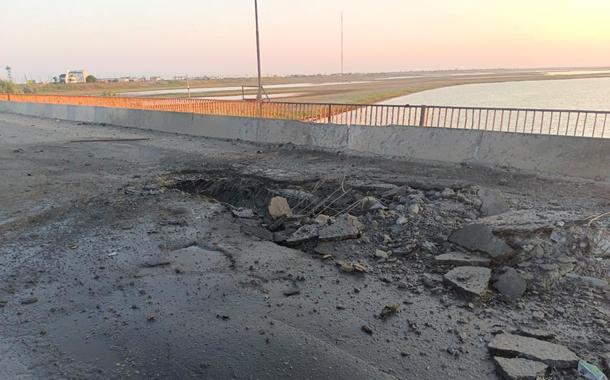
422	117
330	113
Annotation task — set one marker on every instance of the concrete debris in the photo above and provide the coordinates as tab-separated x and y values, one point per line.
351	267
460	259
588	281
530	348
478	237
381	254
590	371
279	208
528	220
510	284
471	280
304	234
414	209
492	202
344	228
520	369
244	213
292	290
534	333
323	219
388	311
371	204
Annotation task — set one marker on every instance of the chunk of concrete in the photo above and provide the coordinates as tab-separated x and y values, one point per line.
511	284
478	237
492	202
460	259
520	369
588	281
279	208
343	228
552	354
471	280
304	234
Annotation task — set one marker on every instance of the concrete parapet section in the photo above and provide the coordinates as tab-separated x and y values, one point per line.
568	156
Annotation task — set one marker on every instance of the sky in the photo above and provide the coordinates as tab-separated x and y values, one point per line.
43	38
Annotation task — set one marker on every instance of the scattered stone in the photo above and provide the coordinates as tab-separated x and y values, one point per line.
29	300
529	348
460	259
371	204
492	202
402	220
341	229
292	291
448	193
323	219
414	209
351	267
244	213
472	280
511	284
534	333
305	233
381	254
279	208
520	369
257	231
478	237
366	329
388	311
588	281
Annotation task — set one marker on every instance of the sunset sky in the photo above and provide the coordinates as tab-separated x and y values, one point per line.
42	38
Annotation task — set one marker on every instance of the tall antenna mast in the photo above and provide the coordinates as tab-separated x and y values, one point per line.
259	94
341	42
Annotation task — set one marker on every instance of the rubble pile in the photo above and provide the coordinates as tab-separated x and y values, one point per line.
462	241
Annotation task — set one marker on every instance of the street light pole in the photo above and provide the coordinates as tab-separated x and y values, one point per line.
259	94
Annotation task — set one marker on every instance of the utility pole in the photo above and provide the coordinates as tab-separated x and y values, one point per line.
259	94
342	43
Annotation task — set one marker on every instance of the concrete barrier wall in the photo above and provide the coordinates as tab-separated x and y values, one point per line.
569	156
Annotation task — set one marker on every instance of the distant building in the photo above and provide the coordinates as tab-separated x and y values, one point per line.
76	76
155	78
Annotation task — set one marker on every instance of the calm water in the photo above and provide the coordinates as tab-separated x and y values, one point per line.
585	94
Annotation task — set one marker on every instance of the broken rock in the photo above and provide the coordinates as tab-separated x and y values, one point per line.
471	280
478	237
341	229
511	284
460	259
552	354
520	369
278	208
305	233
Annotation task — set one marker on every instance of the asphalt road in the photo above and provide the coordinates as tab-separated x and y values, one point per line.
87	291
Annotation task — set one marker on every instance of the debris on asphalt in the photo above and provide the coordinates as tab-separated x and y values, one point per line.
552	354
388	311
279	208
479	238
520	369
470	280
510	284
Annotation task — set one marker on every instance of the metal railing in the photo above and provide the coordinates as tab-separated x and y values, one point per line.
580	123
